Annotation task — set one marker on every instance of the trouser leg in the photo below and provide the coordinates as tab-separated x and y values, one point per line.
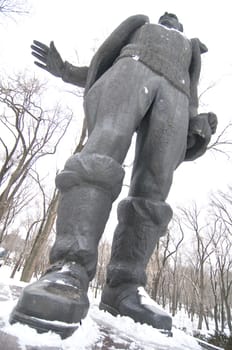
88	184
91	181
141	223
143	217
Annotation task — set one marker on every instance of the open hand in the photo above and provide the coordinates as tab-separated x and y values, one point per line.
49	58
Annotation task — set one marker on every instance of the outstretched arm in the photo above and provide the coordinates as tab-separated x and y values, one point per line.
50	60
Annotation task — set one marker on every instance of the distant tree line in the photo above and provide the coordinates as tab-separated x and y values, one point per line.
191	268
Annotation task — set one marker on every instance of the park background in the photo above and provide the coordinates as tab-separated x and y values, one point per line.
200	195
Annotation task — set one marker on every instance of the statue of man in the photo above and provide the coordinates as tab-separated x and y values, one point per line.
142	79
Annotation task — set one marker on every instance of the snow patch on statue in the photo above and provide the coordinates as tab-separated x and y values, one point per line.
135	57
147	301
146	90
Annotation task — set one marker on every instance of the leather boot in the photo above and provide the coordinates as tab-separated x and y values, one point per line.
56	302
141	224
88	185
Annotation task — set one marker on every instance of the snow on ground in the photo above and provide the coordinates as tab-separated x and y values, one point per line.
143	333
89	333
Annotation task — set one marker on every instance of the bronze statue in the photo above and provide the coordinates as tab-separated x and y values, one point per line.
142	79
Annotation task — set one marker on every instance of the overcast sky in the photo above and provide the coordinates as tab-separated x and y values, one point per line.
79	26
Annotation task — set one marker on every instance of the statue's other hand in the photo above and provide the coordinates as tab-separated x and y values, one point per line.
49	58
212	119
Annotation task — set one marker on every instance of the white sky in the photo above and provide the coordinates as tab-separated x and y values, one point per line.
78	26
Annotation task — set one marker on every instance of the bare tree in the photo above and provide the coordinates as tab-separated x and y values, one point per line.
28	133
221	204
167	247
104	250
42	235
222	142
16	207
224	262
12	7
214	280
203	250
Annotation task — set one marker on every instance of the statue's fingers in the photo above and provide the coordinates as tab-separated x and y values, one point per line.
52	45
41	65
41	45
39	51
213	121
212	117
39	57
214	128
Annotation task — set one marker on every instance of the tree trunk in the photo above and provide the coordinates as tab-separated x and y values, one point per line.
215	315
41	238
228	314
18	263
155	285
201	297
206	322
222	316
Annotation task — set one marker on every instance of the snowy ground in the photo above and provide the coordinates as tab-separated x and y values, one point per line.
89	333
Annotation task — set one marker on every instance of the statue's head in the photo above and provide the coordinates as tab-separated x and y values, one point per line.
170	20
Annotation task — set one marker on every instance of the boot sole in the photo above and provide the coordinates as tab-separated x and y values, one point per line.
109	309
42	326
114	312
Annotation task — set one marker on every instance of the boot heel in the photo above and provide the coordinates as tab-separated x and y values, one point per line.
108	308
